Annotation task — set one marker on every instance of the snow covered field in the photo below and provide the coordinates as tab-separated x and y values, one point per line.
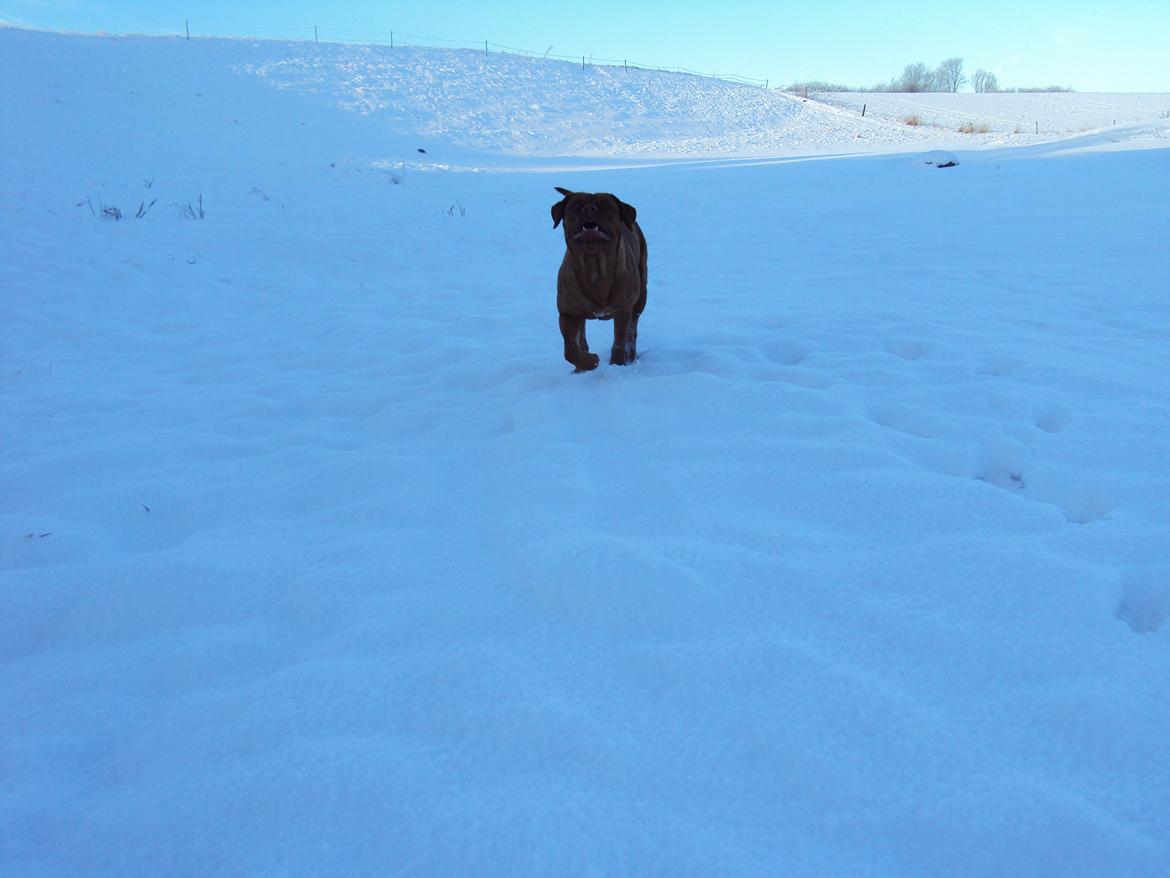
316	558
1060	113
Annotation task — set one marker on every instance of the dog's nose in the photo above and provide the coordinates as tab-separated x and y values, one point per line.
589	208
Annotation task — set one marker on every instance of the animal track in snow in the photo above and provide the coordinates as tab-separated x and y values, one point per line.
786	353
1002	465
1007	465
1144	604
1053	418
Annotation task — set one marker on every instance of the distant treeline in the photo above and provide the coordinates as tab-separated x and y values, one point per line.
947	76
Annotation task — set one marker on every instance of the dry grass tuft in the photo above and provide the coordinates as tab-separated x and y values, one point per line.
974	128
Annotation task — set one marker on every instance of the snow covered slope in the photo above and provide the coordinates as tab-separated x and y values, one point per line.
316	559
459	102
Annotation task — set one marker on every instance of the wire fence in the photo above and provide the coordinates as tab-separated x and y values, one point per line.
396	39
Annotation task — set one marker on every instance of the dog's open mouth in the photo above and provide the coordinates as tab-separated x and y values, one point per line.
591	232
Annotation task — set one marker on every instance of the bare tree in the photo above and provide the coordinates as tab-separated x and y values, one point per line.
816	88
914	78
949	75
982	81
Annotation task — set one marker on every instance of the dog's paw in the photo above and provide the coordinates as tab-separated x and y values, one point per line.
587	362
623	356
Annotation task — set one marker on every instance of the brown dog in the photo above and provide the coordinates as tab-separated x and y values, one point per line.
603	274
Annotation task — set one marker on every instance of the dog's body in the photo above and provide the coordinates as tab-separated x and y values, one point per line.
603	274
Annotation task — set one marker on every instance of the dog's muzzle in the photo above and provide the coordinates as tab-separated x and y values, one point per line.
591	232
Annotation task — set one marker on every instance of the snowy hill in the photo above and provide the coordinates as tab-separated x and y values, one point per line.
387	102
317	559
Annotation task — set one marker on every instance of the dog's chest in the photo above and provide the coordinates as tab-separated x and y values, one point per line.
602	278
598	271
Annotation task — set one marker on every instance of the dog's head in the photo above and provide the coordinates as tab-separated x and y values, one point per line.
592	220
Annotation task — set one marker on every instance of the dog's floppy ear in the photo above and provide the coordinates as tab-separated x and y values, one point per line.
627	212
558	209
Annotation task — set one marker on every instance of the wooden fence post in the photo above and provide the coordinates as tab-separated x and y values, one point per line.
187	24
316	39
863	106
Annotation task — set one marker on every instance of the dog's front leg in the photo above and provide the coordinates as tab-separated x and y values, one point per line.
625	338
576	347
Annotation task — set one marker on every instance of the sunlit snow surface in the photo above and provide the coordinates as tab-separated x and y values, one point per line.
317	559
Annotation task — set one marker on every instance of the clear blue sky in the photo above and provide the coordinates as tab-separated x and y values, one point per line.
1093	46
